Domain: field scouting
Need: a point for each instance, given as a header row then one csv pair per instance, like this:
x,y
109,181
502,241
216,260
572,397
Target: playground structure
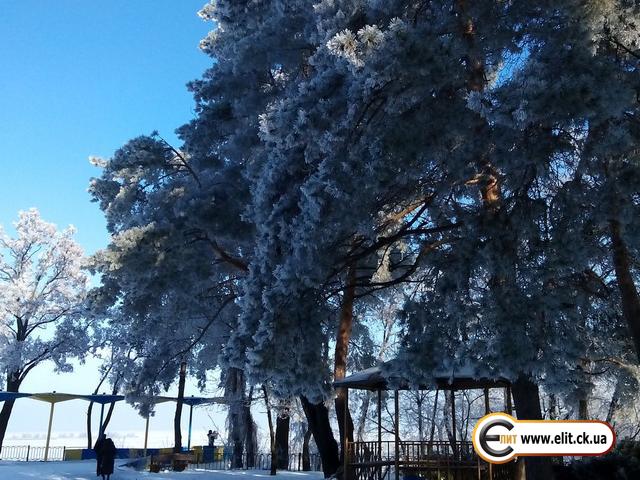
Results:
x,y
389,460
103,399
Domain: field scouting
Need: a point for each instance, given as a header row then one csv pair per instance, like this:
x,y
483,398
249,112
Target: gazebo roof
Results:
x,y
460,378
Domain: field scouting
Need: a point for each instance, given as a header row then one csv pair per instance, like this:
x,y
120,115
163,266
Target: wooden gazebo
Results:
x,y
454,459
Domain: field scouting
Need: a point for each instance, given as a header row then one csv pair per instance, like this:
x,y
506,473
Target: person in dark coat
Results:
x,y
108,452
98,449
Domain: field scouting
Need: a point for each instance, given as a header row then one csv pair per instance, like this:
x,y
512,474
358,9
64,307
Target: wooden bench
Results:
x,y
177,462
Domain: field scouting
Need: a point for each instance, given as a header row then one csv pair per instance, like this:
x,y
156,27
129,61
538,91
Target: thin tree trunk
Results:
x,y
318,420
527,402
615,400
341,353
419,402
89,434
112,405
235,395
448,395
433,418
626,285
90,408
283,421
553,407
364,411
251,439
13,385
177,419
306,457
272,436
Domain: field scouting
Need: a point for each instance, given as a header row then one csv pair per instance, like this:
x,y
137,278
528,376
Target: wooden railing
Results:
x,y
427,460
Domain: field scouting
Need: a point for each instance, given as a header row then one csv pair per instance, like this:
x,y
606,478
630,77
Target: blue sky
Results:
x,y
80,78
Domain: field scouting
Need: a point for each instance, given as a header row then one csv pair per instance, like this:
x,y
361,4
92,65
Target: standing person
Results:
x,y
108,458
98,449
212,438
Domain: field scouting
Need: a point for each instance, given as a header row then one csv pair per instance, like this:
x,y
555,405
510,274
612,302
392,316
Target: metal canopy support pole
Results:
x,y
396,404
100,432
46,448
190,421
146,436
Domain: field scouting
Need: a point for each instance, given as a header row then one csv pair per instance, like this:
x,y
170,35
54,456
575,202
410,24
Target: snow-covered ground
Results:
x,y
85,470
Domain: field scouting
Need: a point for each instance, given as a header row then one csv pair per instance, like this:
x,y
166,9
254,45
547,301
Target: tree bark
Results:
x,y
251,437
90,407
13,385
235,395
553,407
527,402
615,400
364,411
89,434
626,285
282,440
177,419
318,420
112,405
341,353
306,457
272,435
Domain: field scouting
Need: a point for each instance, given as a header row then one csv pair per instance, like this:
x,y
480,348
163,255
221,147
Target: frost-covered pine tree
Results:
x,y
42,290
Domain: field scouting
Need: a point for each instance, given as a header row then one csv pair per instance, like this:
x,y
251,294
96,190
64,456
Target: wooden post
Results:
x,y
345,452
453,422
379,424
46,448
146,436
509,405
487,408
396,404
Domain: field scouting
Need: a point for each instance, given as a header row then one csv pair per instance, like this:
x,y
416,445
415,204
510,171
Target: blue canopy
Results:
x,y
4,396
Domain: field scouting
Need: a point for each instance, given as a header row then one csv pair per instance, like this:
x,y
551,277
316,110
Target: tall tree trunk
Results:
x,y
626,285
251,437
90,407
112,405
419,402
306,457
364,411
13,385
433,418
448,421
272,435
283,421
235,395
89,434
318,420
503,285
615,400
553,407
177,419
527,402
341,353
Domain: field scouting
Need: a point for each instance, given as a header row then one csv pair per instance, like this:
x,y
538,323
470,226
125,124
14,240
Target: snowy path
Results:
x,y
85,470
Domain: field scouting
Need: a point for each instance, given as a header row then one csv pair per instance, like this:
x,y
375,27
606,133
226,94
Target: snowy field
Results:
x,y
85,470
